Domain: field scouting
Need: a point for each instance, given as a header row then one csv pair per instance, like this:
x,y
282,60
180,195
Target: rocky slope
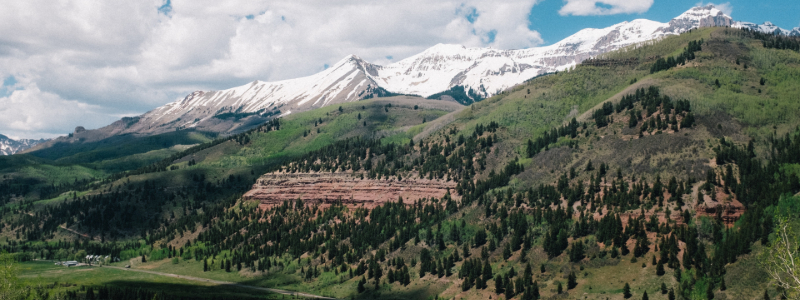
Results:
x,y
9,146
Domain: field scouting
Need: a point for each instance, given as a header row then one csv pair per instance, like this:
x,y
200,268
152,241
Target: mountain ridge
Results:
x,y
483,71
9,146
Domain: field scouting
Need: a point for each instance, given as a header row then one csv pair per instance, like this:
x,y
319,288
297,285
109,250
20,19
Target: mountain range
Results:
x,y
9,146
480,72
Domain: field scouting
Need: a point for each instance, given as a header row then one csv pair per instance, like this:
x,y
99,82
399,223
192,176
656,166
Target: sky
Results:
x,y
88,63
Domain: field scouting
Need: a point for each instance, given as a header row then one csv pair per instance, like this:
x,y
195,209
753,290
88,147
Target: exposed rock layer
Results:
x,y
327,188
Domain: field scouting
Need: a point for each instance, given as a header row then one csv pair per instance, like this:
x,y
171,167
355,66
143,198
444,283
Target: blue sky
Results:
x,y
544,15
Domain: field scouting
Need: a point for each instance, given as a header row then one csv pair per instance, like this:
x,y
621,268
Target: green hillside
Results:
x,y
658,169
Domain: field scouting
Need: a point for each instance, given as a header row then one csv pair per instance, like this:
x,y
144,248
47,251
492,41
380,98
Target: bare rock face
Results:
x,y
729,212
328,188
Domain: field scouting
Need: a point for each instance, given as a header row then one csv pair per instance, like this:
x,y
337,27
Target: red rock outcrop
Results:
x,y
327,188
730,211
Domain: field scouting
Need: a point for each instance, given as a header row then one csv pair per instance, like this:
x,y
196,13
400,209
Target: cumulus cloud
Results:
x,y
604,7
30,112
118,57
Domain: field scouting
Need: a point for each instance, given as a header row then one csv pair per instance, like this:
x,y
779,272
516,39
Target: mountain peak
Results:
x,y
702,12
696,17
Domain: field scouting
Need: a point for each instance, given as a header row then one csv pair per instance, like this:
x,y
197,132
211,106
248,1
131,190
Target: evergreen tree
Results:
x,y
506,252
710,291
644,296
509,290
499,287
571,281
626,291
487,270
660,268
361,283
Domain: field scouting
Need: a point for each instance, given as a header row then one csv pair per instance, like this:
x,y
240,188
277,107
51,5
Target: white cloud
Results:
x,y
604,7
118,57
30,112
726,7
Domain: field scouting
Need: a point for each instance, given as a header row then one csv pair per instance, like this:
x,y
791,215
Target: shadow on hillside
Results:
x,y
189,290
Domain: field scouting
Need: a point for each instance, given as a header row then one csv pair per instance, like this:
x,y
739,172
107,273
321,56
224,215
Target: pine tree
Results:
x,y
710,291
506,252
205,265
528,294
626,291
361,283
560,289
671,295
509,290
660,268
498,284
571,281
722,286
644,296
663,288
465,285
487,271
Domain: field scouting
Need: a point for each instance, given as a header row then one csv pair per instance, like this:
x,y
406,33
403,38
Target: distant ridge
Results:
x,y
9,146
481,72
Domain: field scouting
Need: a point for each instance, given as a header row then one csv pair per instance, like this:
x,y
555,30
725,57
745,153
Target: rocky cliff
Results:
x,y
328,188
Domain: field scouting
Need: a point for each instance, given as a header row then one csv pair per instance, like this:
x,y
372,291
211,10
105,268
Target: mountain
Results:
x,y
482,72
610,179
9,146
768,27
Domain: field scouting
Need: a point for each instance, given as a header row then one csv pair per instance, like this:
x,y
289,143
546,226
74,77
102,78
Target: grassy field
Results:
x,y
45,273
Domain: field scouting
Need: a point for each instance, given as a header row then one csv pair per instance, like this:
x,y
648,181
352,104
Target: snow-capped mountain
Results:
x,y
9,146
768,27
485,71
346,81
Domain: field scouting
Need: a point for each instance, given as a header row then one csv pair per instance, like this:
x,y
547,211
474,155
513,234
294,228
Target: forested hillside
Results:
x,y
656,171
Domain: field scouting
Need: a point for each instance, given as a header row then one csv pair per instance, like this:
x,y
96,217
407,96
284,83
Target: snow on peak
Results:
x,y
9,146
485,71
767,27
701,12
